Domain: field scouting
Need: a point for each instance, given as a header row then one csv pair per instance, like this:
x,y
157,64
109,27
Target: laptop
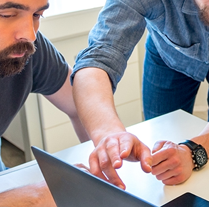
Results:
x,y
73,187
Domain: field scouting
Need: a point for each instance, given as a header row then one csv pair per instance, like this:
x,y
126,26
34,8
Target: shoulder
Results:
x,y
46,53
147,8
43,43
49,67
155,8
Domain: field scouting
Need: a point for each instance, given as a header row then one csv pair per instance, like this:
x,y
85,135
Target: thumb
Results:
x,y
146,159
157,146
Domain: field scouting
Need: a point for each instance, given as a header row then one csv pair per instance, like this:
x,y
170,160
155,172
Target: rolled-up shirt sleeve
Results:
x,y
113,38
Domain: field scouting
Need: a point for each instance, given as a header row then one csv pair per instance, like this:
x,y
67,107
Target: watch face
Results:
x,y
201,157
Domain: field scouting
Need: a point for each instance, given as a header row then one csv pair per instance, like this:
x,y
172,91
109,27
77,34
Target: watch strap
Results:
x,y
192,145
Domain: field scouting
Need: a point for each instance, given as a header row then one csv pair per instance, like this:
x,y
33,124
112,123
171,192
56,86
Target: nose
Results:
x,y
26,30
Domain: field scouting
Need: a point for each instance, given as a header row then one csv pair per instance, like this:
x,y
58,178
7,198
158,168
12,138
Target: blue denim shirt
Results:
x,y
179,35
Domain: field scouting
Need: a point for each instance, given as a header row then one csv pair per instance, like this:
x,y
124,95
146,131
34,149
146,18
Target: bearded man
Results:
x,y
29,63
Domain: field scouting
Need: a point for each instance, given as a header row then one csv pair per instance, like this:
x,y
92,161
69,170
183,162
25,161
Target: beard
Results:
x,y
12,66
204,15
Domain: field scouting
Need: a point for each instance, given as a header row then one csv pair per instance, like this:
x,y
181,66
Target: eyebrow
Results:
x,y
10,5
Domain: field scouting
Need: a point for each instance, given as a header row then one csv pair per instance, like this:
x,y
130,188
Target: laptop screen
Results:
x,y
71,186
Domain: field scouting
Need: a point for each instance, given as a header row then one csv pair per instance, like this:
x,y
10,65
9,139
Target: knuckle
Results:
x,y
160,141
175,161
178,171
108,139
95,172
104,164
171,151
92,155
158,177
110,145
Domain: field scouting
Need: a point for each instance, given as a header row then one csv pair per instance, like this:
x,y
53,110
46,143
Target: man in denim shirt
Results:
x,y
176,62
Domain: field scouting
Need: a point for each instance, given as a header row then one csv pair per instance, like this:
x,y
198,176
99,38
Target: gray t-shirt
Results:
x,y
45,73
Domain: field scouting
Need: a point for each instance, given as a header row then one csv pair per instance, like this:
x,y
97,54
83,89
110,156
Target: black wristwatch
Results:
x,y
199,154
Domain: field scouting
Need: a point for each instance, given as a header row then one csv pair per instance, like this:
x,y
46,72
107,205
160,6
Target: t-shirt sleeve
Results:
x,y
50,69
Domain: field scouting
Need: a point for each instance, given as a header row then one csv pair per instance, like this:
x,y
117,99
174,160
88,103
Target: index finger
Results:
x,y
104,170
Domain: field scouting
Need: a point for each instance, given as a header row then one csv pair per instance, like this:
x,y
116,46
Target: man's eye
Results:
x,y
38,15
6,16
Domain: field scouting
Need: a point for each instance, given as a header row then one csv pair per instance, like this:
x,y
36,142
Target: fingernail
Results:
x,y
123,151
116,163
149,166
122,187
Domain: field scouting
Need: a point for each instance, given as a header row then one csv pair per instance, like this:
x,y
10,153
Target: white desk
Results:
x,y
175,126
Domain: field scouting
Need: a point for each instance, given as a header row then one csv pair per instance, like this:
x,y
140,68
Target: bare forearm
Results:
x,y
94,101
79,129
36,195
203,138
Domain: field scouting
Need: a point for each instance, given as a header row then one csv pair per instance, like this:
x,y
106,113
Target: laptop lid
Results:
x,y
71,186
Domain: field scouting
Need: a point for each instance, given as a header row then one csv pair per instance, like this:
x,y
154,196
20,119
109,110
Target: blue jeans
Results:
x,y
2,166
164,89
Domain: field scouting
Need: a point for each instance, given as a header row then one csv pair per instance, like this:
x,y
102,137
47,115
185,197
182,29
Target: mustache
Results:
x,y
12,66
21,47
